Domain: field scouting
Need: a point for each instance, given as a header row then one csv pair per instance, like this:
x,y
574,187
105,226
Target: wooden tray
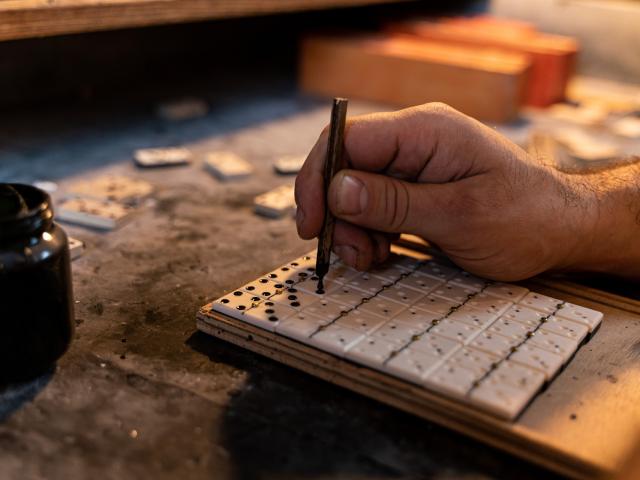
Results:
x,y
584,425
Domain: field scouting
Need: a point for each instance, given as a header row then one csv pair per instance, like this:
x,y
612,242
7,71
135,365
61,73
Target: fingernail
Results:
x,y
352,196
299,216
348,254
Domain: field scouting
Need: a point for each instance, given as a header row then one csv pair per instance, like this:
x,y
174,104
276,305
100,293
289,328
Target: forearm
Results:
x,y
611,213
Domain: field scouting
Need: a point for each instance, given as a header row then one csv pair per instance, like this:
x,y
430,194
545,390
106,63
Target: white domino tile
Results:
x,y
566,328
396,332
341,273
493,343
437,270
435,345
262,288
490,345
518,375
401,293
299,326
512,293
466,280
381,307
416,318
471,316
336,339
453,292
489,304
563,346
504,400
412,365
461,332
545,361
525,315
371,351
361,321
590,318
477,361
542,303
451,379
510,328
421,283
435,304
367,283
326,309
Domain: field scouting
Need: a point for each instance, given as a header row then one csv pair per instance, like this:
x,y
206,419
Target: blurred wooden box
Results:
x,y
403,71
553,57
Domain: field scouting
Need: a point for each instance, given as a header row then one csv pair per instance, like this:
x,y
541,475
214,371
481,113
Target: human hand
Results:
x,y
434,172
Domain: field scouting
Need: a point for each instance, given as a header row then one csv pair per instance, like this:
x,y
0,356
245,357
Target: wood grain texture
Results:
x,y
553,56
583,425
403,71
38,18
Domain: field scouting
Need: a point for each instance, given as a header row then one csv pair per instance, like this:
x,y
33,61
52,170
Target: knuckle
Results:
x,y
439,109
396,205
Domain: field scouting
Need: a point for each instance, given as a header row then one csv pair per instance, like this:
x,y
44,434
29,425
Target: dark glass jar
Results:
x,y
36,300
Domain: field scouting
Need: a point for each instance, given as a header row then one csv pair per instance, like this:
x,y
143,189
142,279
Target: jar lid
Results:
x,y
24,210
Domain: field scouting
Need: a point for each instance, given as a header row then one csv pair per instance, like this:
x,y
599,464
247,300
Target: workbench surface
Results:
x,y
142,394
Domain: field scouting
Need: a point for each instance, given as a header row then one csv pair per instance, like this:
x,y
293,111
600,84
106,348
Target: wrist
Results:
x,y
605,207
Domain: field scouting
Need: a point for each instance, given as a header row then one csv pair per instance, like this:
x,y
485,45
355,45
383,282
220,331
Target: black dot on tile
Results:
x,y
270,310
285,269
264,280
320,291
273,275
279,285
295,304
251,288
255,299
224,300
269,304
273,318
289,282
237,294
292,297
294,264
240,307
266,294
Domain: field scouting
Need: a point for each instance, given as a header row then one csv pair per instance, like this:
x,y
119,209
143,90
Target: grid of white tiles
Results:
x,y
493,345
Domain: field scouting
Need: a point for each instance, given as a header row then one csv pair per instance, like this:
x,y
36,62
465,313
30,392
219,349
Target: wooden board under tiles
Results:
x,y
583,425
403,71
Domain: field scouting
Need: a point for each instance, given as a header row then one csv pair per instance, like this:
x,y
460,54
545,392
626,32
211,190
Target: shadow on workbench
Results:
x,y
286,424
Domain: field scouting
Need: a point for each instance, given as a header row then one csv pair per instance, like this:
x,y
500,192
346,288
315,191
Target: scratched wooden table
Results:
x,y
141,394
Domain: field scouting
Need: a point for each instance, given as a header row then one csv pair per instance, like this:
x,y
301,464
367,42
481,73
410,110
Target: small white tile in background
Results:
x,y
76,247
471,316
502,399
401,293
277,203
226,166
437,270
370,284
93,213
517,375
161,157
360,321
326,309
489,304
289,165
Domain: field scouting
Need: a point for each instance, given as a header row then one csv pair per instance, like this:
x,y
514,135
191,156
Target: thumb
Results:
x,y
386,204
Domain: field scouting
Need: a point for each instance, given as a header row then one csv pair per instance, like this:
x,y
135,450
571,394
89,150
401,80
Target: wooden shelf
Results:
x,y
40,18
